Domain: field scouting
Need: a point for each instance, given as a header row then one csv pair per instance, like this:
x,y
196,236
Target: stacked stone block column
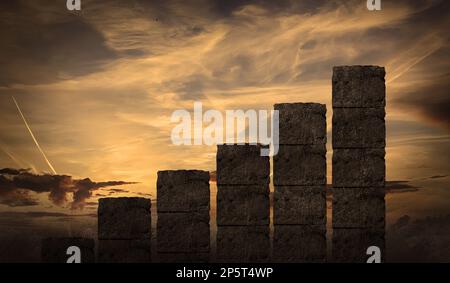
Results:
x,y
300,184
124,230
183,202
358,161
243,205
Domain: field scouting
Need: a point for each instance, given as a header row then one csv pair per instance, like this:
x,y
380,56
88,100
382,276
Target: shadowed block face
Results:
x,y
242,165
299,243
124,218
359,86
303,165
243,243
124,251
243,205
183,191
358,167
359,128
299,205
302,123
183,232
358,208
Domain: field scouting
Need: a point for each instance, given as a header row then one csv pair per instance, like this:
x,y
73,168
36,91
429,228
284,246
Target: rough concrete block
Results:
x,y
303,165
359,128
358,208
183,191
299,243
124,218
297,205
359,86
242,165
183,232
183,257
302,123
54,250
243,205
124,251
350,245
358,167
243,244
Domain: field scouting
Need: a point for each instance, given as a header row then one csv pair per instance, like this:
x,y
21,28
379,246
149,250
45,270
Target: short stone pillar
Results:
x,y
299,169
124,230
243,205
183,229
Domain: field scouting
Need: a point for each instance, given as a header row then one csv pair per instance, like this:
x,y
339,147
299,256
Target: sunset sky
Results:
x,y
98,86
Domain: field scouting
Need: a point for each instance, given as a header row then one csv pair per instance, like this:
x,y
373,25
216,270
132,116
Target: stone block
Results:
x,y
183,232
302,123
300,243
358,167
183,191
298,205
358,208
124,251
359,128
243,205
242,165
54,250
358,86
350,245
243,244
124,218
303,165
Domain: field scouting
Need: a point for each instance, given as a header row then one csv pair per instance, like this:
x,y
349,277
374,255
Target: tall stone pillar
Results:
x,y
359,140
299,169
124,230
183,202
243,205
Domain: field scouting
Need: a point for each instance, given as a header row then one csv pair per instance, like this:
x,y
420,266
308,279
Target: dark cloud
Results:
x,y
226,8
114,191
393,187
143,194
431,100
438,176
16,185
43,42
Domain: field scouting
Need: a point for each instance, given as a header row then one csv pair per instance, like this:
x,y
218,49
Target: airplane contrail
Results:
x,y
10,155
32,135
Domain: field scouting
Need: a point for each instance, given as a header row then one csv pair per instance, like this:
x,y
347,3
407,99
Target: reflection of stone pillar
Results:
x,y
55,250
243,206
124,230
183,232
350,245
300,184
359,134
